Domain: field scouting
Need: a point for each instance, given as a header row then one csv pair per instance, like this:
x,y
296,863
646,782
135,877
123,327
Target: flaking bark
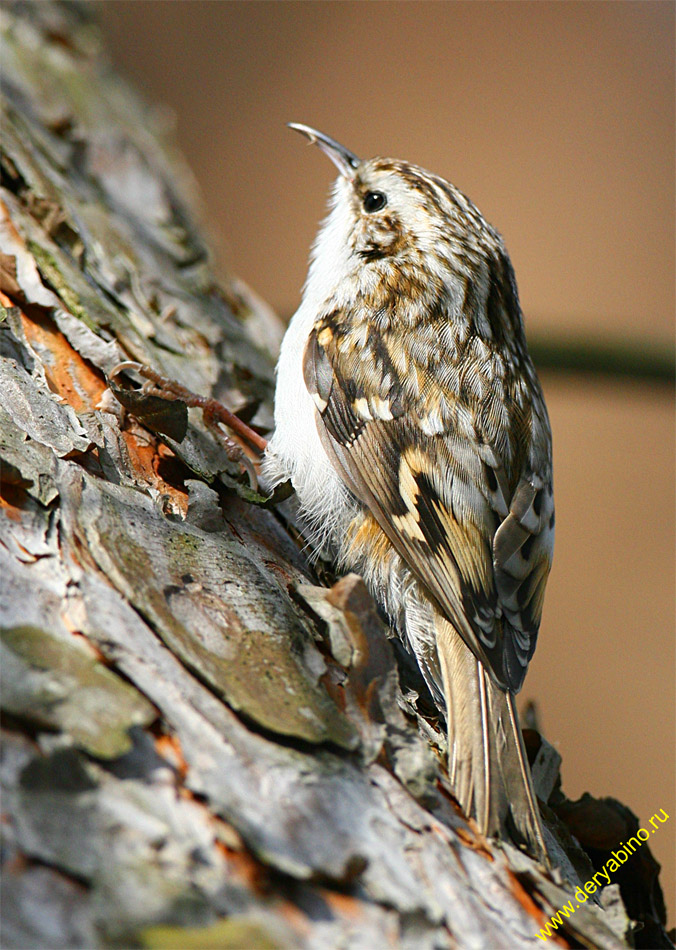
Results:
x,y
203,746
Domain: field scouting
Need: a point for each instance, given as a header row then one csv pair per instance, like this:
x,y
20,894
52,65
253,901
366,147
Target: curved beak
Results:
x,y
345,161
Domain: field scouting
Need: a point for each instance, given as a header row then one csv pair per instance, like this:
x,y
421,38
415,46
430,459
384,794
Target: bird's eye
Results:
x,y
374,201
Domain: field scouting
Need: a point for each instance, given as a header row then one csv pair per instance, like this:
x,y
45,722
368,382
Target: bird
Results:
x,y
410,421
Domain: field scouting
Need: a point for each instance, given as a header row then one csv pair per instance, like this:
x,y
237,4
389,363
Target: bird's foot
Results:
x,y
242,444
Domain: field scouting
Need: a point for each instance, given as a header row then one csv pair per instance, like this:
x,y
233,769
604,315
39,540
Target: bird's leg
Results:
x,y
246,449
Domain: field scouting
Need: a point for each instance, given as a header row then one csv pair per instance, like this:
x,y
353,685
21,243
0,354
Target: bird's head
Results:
x,y
389,218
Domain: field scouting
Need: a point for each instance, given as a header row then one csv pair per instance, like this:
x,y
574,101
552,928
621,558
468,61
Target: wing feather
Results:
x,y
481,549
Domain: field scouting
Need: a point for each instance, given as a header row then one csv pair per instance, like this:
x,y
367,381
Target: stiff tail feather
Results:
x,y
487,763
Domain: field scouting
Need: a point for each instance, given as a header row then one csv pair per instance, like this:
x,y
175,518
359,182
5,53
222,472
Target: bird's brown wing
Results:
x,y
444,503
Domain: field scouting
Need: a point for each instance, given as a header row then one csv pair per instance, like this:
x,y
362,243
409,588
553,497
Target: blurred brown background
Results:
x,y
558,120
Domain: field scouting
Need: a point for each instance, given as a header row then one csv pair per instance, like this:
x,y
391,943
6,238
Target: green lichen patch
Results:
x,y
59,687
232,934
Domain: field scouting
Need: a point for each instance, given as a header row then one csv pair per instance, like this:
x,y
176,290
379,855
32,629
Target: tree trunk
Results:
x,y
203,746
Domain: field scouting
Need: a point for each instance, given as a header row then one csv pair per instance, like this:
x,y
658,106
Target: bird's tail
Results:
x,y
487,762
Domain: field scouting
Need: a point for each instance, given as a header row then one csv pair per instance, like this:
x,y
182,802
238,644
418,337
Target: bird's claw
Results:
x,y
245,450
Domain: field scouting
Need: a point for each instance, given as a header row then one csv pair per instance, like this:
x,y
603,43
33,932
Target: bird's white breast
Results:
x,y
295,450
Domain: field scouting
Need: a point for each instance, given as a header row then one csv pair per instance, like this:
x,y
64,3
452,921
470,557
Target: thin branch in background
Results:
x,y
615,358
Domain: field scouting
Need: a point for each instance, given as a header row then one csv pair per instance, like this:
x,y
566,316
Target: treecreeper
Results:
x,y
412,425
